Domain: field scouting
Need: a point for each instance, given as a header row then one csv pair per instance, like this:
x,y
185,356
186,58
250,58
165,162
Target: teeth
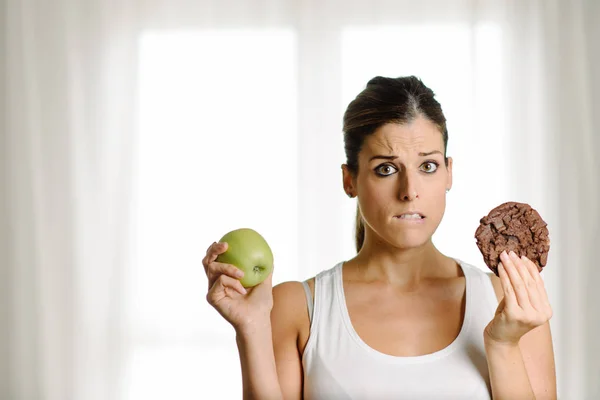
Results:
x,y
410,216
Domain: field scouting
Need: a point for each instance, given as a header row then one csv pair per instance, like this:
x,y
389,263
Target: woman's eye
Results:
x,y
385,170
429,167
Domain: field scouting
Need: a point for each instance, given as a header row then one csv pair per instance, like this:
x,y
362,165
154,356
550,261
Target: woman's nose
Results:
x,y
408,188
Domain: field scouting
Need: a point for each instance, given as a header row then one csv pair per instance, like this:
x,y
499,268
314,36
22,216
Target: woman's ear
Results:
x,y
348,181
449,176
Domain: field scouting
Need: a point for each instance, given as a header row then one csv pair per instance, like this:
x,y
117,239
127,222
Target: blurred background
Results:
x,y
134,133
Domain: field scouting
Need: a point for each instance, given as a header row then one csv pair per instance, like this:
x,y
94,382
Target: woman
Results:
x,y
400,320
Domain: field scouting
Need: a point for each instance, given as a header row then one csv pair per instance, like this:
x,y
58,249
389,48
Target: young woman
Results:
x,y
400,320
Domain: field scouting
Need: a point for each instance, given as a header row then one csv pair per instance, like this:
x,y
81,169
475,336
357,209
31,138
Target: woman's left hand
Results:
x,y
525,305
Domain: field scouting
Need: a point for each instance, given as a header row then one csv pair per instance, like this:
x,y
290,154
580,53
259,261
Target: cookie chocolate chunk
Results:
x,y
513,226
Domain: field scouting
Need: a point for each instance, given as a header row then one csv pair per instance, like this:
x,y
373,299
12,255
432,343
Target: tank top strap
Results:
x,y
309,300
323,300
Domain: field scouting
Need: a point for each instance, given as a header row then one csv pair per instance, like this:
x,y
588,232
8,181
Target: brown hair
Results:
x,y
386,100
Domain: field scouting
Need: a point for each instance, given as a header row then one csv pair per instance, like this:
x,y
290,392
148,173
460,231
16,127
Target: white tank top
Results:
x,y
338,365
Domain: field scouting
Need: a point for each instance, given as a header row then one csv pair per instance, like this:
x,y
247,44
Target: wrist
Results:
x,y
491,342
252,328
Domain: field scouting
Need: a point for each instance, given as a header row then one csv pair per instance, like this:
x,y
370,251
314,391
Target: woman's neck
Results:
x,y
405,269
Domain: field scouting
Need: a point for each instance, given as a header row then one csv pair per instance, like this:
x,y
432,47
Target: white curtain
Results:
x,y
68,93
573,55
74,156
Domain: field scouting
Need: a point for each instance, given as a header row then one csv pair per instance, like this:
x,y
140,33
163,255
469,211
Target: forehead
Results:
x,y
419,134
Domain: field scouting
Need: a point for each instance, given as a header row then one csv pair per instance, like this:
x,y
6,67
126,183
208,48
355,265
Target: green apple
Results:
x,y
250,252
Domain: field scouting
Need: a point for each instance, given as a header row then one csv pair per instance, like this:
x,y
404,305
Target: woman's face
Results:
x,y
402,172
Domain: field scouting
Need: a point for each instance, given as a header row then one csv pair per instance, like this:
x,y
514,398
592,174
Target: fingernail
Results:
x,y
239,273
503,254
513,254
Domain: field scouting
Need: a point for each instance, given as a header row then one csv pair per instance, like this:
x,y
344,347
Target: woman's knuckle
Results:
x,y
528,320
529,283
518,286
513,316
213,268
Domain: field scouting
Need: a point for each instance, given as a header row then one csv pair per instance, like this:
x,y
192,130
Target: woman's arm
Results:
x,y
259,373
269,357
508,376
526,368
538,356
529,366
289,315
249,312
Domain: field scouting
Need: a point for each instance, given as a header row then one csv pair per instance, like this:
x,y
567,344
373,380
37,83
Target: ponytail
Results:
x,y
360,229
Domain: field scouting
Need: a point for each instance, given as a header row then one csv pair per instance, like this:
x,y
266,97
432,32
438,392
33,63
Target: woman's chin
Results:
x,y
412,241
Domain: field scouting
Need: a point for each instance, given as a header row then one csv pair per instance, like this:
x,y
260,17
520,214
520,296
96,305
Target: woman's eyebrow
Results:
x,y
430,153
395,157
383,157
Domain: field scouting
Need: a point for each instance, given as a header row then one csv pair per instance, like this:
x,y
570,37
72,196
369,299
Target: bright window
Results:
x,y
216,152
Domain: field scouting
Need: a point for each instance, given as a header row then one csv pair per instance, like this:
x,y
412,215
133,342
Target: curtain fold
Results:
x,y
572,55
67,148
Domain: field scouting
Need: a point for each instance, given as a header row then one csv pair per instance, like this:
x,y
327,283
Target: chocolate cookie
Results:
x,y
513,226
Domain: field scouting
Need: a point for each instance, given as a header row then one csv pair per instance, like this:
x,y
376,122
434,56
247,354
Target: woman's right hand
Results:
x,y
241,307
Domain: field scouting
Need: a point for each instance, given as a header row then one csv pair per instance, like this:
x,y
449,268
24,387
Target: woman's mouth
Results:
x,y
415,217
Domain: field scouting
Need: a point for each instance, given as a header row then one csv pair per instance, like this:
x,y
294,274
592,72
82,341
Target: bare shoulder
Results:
x,y
290,304
290,311
287,323
291,293
287,293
